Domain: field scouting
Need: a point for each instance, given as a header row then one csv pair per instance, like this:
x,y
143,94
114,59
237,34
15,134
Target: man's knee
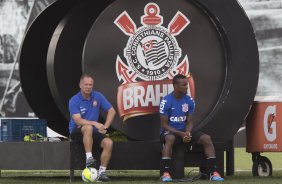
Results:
x,y
205,139
87,129
107,143
170,138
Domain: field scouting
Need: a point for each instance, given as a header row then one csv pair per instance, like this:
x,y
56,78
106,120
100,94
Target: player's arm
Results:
x,y
80,121
188,128
110,117
166,127
189,123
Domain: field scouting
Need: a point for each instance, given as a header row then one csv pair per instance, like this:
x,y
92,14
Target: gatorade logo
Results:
x,y
269,124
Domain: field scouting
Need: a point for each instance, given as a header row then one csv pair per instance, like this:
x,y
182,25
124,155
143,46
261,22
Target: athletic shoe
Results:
x,y
103,177
166,177
216,177
91,162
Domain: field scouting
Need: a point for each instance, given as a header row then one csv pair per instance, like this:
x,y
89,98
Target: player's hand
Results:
x,y
103,130
98,125
187,137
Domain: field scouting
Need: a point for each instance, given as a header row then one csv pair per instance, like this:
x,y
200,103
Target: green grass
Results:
x,y
243,160
243,174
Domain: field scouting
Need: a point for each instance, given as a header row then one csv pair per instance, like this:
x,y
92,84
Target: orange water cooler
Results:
x,y
264,132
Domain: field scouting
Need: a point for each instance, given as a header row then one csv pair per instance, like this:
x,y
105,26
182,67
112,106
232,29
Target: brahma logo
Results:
x,y
152,54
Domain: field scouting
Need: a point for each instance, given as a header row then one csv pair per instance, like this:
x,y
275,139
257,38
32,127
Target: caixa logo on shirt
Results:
x,y
153,57
178,119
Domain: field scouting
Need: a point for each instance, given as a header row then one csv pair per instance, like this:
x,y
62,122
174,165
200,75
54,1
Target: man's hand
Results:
x,y
101,127
103,130
97,125
186,137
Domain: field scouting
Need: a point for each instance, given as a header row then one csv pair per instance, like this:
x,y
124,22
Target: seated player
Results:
x,y
176,111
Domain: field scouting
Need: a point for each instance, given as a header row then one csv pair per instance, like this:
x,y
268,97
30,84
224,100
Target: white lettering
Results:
x,y
162,106
150,96
139,96
269,126
166,89
270,146
139,93
177,119
127,98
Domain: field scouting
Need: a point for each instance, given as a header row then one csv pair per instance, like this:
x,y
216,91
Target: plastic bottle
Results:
x,y
4,132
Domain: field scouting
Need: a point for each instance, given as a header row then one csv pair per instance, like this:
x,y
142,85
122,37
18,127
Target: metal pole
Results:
x,y
230,159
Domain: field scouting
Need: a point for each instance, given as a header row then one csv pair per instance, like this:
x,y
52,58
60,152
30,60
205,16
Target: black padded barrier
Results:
x,y
49,58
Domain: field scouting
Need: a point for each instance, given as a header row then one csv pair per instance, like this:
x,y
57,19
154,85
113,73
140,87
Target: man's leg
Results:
x,y
168,140
107,146
206,142
87,132
168,145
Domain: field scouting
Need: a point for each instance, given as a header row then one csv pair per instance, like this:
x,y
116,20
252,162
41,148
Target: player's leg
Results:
x,y
107,146
87,132
168,140
206,142
84,135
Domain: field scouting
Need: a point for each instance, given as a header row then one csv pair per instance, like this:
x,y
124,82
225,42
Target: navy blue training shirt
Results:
x,y
88,109
177,110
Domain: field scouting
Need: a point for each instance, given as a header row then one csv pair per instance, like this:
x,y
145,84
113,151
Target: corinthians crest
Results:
x,y
152,54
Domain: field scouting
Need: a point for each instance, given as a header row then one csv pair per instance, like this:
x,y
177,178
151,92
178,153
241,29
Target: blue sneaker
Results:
x,y
166,177
216,177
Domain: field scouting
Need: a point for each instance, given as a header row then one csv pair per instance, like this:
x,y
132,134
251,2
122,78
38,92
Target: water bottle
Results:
x,y
26,130
1,140
4,131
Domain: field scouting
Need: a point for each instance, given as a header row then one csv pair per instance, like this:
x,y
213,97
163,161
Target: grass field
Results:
x,y
243,174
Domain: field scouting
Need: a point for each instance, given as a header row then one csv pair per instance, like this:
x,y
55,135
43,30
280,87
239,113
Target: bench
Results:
x,y
131,155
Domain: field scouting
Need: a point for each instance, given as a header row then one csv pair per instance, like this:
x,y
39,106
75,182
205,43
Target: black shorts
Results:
x,y
76,135
178,139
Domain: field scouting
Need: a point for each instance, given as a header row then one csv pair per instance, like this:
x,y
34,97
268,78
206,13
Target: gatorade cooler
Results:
x,y
264,132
